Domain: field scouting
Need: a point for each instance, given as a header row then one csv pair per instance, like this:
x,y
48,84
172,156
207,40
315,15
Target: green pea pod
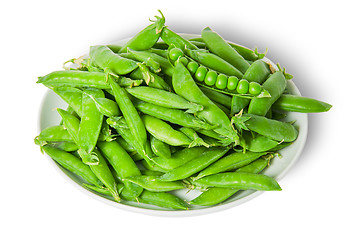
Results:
x,y
216,195
195,165
91,120
149,62
230,162
122,163
257,143
164,98
143,56
147,37
293,103
171,38
151,173
72,163
275,85
178,158
186,87
241,180
196,140
152,79
164,132
152,167
104,174
273,129
218,97
125,145
130,114
103,57
175,116
55,134
217,45
71,78
257,72
213,62
154,184
65,146
160,148
106,106
160,52
72,96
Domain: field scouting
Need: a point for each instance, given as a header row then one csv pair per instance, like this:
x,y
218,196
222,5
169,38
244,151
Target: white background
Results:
x,y
309,38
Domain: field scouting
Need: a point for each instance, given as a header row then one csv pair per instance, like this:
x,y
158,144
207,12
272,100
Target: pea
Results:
x,y
221,81
243,86
175,53
210,78
184,61
192,67
232,83
254,88
200,73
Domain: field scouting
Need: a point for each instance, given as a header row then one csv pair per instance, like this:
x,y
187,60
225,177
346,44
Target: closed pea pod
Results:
x,y
220,47
151,79
72,96
160,148
163,199
55,134
154,184
171,38
196,140
257,143
217,96
65,146
106,106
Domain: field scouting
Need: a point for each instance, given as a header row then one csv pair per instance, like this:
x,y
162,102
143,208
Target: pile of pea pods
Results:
x,y
162,113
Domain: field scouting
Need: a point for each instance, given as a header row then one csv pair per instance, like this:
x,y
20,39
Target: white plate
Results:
x,y
277,169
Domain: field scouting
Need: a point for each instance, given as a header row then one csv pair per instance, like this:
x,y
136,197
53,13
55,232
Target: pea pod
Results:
x,y
164,98
105,106
196,140
186,87
230,162
217,96
292,103
65,146
154,184
105,58
72,163
179,158
152,79
216,195
221,48
72,96
171,38
275,85
257,143
164,132
241,180
195,165
122,163
160,148
147,37
55,134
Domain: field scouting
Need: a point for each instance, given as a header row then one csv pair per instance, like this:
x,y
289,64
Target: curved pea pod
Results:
x,y
147,37
152,79
171,38
154,184
241,180
217,45
257,143
122,163
273,129
106,106
178,158
65,146
196,140
186,87
104,174
213,62
71,78
293,103
160,148
218,97
130,114
163,199
72,163
257,72
72,96
105,58
195,165
216,195
91,120
164,98
114,47
55,134
164,132
230,162
144,56
275,85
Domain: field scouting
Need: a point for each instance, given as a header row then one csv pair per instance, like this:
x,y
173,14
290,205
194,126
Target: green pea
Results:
x,y
254,88
210,78
184,61
200,73
192,67
243,86
175,53
232,83
221,81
